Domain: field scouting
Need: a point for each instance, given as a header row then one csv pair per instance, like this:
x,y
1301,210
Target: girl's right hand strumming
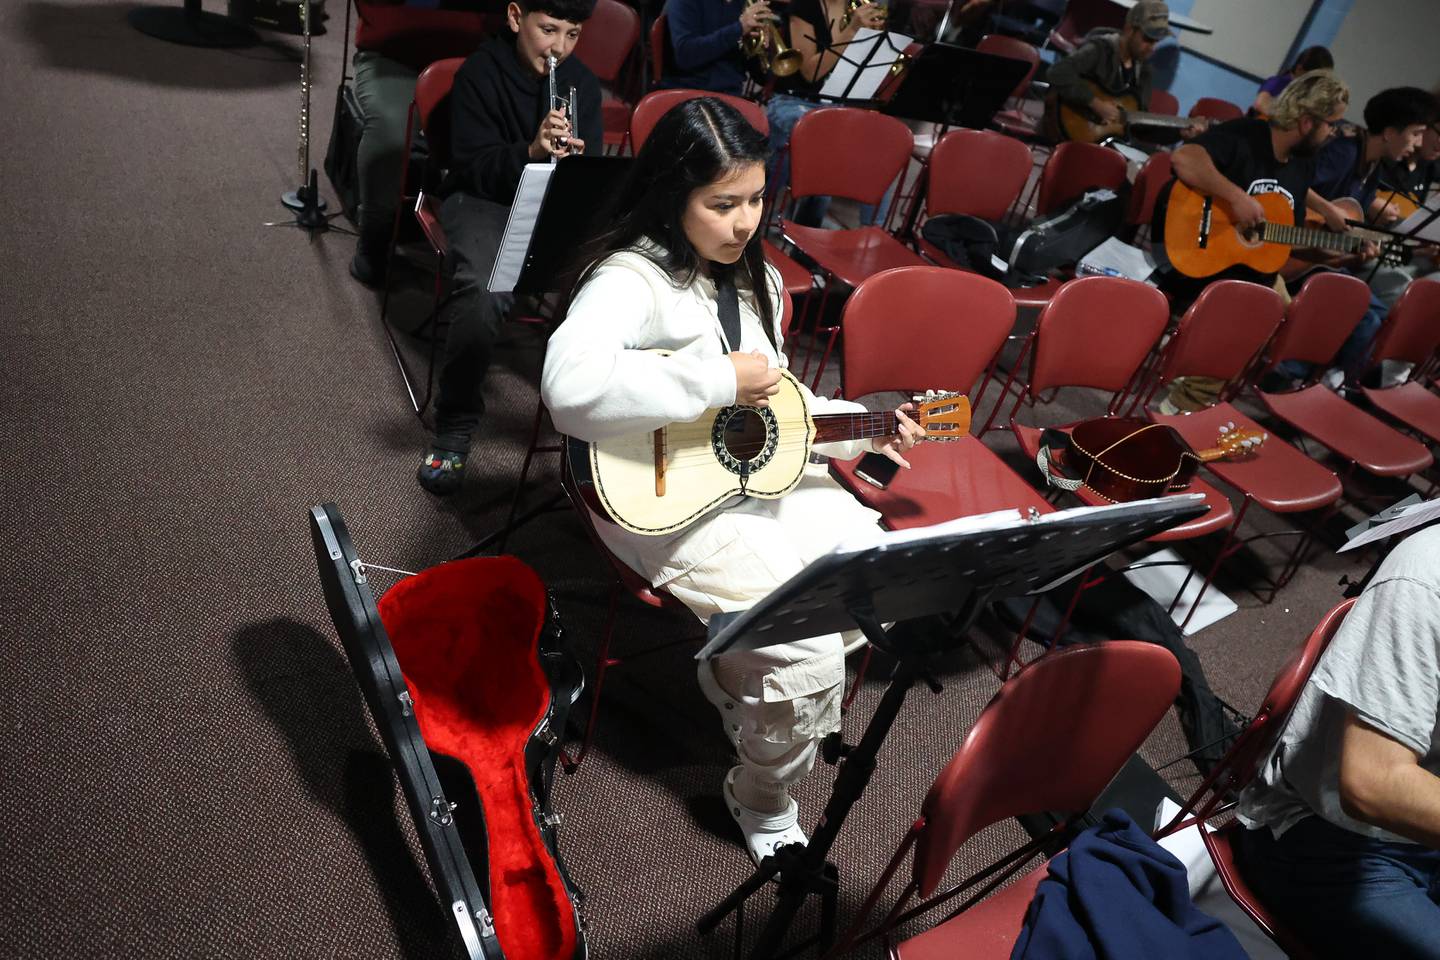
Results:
x,y
755,380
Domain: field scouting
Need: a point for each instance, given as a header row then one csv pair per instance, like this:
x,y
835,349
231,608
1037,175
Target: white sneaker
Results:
x,y
1333,378
764,833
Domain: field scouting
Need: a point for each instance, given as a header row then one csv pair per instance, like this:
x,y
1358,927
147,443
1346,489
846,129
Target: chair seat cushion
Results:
x,y
1219,516
1349,431
988,929
1038,295
797,280
1279,477
1412,405
1016,123
851,255
962,478
1222,852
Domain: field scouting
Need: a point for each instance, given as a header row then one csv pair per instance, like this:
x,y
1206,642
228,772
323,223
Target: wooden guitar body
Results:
x,y
1073,123
618,475
1201,238
1121,459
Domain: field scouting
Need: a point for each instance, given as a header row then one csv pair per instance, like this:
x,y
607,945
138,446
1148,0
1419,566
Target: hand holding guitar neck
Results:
x,y
909,434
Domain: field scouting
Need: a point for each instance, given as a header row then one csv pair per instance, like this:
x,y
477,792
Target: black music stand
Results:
x,y
966,564
569,211
864,50
955,86
1399,240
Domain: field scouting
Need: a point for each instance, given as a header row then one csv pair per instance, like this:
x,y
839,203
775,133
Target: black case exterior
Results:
x,y
438,819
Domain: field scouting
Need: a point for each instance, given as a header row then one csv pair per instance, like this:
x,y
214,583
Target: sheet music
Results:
x,y
1431,231
1405,519
520,227
868,55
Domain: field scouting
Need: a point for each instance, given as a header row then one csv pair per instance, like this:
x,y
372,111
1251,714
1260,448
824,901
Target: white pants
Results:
x,y
783,699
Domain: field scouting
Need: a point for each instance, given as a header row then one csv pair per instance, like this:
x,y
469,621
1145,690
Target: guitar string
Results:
x,y
862,427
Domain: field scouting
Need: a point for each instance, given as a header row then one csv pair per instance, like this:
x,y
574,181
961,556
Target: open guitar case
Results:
x,y
463,669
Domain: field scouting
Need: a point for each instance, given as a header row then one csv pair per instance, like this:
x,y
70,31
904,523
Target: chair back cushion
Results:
x,y
1095,332
847,152
1051,739
607,39
1320,318
657,103
1152,177
1223,331
1412,328
1074,168
976,172
895,339
432,92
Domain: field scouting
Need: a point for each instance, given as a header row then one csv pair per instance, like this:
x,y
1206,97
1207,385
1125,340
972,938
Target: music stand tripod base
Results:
x,y
191,26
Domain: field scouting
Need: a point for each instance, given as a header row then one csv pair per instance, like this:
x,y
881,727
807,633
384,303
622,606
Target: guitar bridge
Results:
x,y
1203,240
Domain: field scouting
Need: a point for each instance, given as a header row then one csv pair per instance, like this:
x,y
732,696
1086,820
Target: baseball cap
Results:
x,y
1152,18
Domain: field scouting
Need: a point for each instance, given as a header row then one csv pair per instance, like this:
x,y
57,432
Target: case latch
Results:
x,y
487,926
407,705
440,811
357,569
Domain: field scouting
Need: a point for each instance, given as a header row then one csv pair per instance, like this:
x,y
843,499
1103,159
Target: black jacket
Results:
x,y
495,110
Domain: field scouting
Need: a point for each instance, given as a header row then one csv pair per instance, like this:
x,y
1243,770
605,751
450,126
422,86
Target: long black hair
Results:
x,y
694,144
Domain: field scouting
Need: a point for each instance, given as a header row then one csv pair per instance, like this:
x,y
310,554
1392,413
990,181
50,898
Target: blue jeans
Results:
x,y
1346,895
1354,353
784,111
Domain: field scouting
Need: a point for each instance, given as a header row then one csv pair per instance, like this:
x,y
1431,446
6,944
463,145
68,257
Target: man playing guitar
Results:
x,y
1109,67
1236,161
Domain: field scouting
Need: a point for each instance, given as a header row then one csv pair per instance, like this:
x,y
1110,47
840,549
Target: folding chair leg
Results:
x,y
1226,549
603,663
824,358
530,452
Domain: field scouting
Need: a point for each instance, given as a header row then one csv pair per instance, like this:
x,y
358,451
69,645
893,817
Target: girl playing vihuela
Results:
x,y
681,256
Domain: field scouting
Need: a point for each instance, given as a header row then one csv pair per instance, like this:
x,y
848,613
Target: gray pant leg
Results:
x,y
384,89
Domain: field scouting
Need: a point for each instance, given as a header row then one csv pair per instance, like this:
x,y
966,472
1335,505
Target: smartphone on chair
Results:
x,y
876,469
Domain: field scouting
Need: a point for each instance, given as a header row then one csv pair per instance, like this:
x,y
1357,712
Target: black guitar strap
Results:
x,y
727,301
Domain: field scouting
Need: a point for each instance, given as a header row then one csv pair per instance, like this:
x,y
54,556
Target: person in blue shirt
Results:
x,y
705,38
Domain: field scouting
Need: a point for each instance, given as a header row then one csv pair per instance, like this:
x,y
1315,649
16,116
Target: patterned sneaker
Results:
x,y
441,472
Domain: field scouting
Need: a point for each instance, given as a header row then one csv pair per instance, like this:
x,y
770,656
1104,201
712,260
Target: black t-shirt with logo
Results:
x,y
1243,153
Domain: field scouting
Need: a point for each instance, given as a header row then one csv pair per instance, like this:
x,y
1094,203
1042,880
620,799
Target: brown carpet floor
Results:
x,y
186,767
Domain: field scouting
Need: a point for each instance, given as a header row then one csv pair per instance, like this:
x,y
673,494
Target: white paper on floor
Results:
x,y
1161,582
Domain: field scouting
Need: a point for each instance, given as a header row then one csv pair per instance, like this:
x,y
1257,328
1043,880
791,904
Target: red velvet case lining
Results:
x,y
467,638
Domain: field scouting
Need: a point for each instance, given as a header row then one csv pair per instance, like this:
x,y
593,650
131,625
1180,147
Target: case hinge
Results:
x,y
487,926
357,569
407,705
544,734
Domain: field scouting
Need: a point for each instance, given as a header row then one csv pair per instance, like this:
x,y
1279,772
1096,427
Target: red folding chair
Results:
x,y
658,33
1072,169
605,46
1238,768
884,319
432,93
1319,319
1013,120
825,161
978,173
1220,336
1153,176
797,280
1217,109
1164,102
1082,16
1052,738
1411,334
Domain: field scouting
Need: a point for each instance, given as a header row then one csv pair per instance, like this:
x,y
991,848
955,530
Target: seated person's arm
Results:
x,y
1382,783
694,49
599,381
1068,80
815,63
482,162
1195,168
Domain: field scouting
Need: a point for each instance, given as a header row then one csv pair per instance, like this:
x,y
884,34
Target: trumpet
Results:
x,y
769,47
557,102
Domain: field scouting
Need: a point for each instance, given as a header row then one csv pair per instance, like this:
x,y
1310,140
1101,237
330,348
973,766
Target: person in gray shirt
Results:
x,y
1343,820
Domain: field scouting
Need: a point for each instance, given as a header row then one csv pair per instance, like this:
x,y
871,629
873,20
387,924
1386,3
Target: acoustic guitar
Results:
x,y
1296,269
664,480
1201,238
1066,122
1126,458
